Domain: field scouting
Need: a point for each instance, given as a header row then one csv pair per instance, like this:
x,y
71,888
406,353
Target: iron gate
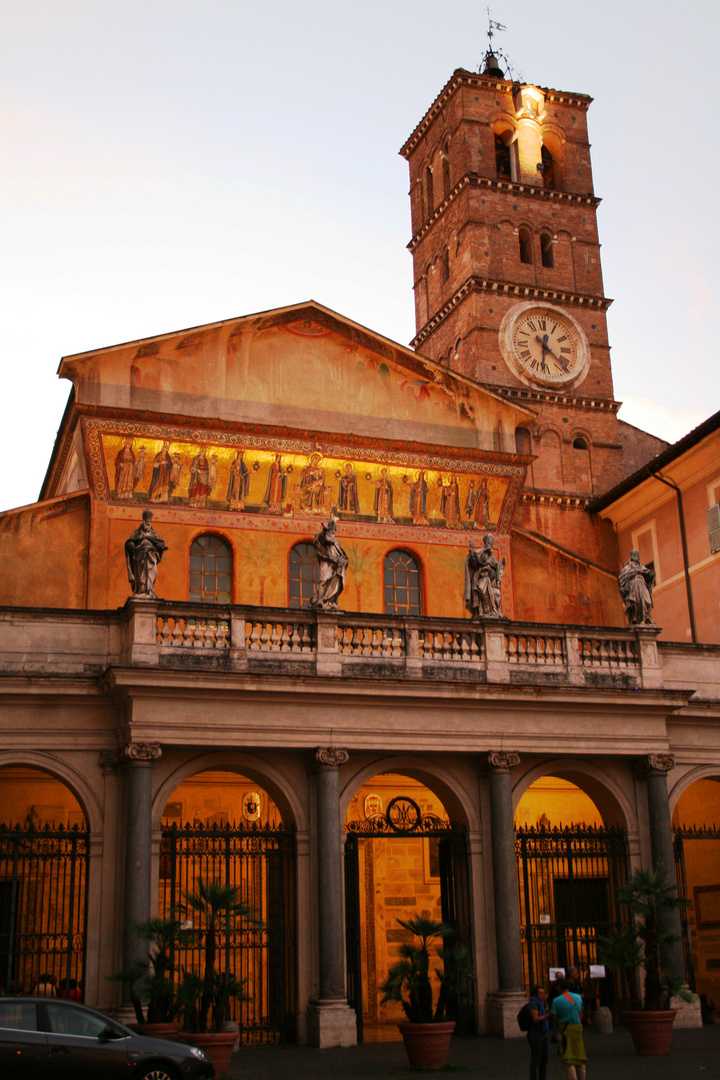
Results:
x,y
43,873
261,862
681,835
568,880
402,819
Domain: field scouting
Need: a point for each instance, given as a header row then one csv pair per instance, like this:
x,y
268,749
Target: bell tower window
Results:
x,y
548,253
429,191
525,241
503,160
548,168
446,172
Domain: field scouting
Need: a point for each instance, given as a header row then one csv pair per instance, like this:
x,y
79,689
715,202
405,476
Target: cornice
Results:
x,y
567,401
556,499
530,191
507,288
462,77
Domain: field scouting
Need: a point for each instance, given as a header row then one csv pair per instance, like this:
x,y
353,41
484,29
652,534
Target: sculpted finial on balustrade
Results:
x,y
483,577
636,583
143,551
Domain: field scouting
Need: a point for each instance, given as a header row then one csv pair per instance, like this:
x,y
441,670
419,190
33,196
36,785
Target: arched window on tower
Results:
x,y
523,444
210,570
429,191
548,167
446,171
302,574
547,250
446,265
502,158
525,241
581,462
403,584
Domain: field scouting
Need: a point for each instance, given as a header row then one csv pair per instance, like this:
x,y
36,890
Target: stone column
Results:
x,y
655,767
139,758
503,1005
331,1022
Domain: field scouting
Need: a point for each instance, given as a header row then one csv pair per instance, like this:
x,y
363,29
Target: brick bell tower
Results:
x,y
507,274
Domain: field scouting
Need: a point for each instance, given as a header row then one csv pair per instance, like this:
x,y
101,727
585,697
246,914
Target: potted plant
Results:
x,y
426,1033
651,898
155,986
204,996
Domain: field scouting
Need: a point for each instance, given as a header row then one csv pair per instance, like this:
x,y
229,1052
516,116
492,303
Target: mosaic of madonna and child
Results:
x,y
313,485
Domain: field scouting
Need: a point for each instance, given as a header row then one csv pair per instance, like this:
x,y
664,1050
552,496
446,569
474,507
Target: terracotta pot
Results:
x,y
218,1045
427,1045
159,1031
651,1031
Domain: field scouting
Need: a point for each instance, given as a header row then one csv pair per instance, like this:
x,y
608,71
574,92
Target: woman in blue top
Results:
x,y
567,1013
538,1035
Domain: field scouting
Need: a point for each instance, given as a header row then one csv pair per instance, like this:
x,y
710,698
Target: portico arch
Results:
x,y
62,772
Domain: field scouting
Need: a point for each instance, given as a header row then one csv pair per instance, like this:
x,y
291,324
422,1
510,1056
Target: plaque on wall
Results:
x,y
252,805
373,805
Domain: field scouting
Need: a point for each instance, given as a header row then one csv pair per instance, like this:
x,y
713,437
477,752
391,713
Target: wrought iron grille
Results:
x,y
261,862
683,835
404,819
568,879
43,873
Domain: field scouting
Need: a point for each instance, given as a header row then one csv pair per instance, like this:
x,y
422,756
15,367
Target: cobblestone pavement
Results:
x,y
695,1053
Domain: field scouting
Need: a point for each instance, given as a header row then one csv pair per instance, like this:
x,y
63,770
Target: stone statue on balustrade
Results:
x,y
143,551
483,577
636,583
332,564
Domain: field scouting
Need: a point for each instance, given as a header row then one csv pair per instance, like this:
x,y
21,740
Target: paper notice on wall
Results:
x,y
597,971
557,973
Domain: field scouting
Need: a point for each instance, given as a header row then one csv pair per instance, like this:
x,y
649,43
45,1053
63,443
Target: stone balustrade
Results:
x,y
176,634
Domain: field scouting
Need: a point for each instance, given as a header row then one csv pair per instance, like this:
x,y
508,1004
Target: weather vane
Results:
x,y
490,65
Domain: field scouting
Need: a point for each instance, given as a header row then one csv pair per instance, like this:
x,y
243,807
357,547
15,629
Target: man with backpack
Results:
x,y
566,1012
533,1019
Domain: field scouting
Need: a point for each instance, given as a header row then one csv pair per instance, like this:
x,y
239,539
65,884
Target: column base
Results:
x,y
331,1023
688,1012
502,1009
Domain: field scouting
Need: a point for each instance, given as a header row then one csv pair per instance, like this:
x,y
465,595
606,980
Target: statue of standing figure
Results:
x,y
636,583
143,551
332,565
483,576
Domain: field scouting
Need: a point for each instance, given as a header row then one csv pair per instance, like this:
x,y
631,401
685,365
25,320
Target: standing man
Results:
x,y
538,1036
566,1012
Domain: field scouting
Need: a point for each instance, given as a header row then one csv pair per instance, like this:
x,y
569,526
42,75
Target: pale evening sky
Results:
x,y
168,164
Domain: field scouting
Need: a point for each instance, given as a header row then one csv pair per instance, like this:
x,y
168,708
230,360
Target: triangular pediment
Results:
x,y
303,367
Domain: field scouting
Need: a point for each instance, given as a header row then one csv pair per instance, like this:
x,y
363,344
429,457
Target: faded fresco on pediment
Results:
x,y
251,476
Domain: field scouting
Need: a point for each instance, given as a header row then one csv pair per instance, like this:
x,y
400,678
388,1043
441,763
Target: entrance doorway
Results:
x,y
403,857
224,827
570,865
696,830
43,875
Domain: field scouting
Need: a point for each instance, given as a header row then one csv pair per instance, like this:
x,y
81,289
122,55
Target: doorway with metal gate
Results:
x,y
223,827
570,866
403,857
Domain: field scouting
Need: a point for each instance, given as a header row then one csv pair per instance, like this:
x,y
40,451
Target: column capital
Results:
x,y
654,764
502,760
140,753
330,757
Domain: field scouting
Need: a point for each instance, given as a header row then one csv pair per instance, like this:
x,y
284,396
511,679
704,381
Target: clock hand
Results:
x,y
546,348
543,342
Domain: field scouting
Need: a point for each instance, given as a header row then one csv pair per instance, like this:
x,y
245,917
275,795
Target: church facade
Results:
x,y
498,763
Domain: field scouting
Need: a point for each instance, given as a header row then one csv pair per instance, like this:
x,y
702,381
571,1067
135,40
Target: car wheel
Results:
x,y
156,1072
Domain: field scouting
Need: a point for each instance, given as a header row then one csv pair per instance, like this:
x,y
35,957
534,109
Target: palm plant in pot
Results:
x,y
426,1033
152,992
651,898
205,995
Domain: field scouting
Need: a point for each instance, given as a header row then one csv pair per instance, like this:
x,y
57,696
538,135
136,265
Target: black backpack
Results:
x,y
523,1017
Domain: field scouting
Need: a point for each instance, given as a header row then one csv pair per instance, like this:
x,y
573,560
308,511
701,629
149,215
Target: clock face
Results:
x,y
543,344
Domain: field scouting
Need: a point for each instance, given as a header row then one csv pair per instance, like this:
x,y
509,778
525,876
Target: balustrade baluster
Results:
x,y
177,634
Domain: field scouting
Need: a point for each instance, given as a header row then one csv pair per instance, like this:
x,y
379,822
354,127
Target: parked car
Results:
x,y
53,1039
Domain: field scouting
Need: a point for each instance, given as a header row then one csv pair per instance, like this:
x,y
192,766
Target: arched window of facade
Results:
x,y
581,462
548,167
302,574
525,241
523,444
446,265
579,443
211,570
547,249
429,191
446,171
503,161
403,584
